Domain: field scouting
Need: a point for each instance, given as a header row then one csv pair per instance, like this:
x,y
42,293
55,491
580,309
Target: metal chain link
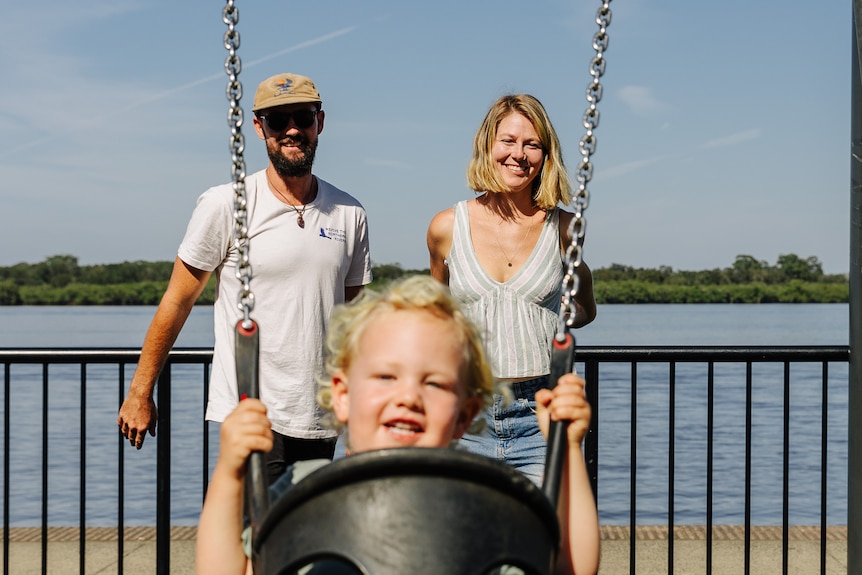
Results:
x,y
233,66
578,225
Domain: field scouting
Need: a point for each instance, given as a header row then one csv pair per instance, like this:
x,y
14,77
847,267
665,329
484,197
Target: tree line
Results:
x,y
748,280
61,280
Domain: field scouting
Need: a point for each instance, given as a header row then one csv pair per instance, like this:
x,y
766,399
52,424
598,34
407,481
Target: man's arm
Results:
x,y
138,414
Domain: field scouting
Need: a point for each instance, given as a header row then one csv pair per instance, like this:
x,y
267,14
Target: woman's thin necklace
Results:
x,y
300,220
520,245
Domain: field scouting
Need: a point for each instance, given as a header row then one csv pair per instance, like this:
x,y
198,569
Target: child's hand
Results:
x,y
246,429
566,402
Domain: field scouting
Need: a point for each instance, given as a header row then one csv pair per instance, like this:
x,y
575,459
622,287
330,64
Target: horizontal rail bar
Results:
x,y
102,355
716,353
585,353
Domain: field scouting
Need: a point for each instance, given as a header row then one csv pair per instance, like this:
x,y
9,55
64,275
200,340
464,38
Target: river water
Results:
x,y
616,325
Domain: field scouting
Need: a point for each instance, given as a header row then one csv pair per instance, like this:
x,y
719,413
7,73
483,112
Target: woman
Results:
x,y
502,255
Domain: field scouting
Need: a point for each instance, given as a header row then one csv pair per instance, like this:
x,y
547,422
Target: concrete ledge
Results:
x,y
96,534
609,533
652,551
722,533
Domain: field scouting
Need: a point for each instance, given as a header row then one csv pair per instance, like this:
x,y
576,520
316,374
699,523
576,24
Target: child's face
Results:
x,y
404,385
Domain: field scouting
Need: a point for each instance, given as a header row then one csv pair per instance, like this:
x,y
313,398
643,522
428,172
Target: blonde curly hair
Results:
x,y
411,293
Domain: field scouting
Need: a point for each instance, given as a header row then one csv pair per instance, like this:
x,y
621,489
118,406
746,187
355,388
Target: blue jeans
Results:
x,y
511,432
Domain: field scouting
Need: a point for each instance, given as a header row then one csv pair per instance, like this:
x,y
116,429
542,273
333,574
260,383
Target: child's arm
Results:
x,y
219,540
579,520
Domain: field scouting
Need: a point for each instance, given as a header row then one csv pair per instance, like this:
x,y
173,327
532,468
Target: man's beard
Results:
x,y
288,168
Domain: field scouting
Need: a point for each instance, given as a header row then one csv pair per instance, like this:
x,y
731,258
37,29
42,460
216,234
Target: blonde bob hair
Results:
x,y
552,186
411,293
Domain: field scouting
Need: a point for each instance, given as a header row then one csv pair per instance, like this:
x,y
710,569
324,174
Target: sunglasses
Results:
x,y
278,121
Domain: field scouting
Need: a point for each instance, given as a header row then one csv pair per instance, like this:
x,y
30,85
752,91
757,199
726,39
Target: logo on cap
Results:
x,y
284,87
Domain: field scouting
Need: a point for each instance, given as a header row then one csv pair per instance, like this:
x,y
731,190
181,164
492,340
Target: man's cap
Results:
x,y
284,89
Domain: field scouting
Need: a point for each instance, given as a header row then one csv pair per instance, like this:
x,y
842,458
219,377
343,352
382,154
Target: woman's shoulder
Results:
x,y
565,216
564,213
442,221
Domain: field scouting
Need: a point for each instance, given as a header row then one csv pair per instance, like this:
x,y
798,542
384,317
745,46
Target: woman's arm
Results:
x,y
585,300
439,239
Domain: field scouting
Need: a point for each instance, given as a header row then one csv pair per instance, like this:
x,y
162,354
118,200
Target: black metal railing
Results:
x,y
597,359
47,375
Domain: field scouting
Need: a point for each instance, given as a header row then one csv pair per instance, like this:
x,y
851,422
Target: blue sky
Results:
x,y
724,125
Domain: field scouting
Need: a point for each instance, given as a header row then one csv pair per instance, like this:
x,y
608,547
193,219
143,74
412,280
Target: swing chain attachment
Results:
x,y
233,66
578,224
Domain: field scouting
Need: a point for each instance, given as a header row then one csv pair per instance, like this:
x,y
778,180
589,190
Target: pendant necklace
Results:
x,y
300,220
520,245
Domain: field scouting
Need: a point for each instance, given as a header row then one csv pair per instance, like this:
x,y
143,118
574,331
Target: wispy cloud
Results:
x,y
641,101
633,166
637,165
221,76
104,115
733,139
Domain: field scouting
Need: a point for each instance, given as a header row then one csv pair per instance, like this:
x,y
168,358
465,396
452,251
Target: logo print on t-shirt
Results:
x,y
333,234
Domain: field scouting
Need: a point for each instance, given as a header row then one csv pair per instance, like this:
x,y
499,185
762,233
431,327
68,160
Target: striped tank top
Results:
x,y
519,318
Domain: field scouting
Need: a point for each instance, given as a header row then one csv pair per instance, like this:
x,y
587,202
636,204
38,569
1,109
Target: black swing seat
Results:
x,y
410,511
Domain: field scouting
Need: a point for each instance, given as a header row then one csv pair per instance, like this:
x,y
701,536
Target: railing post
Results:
x,y
591,442
163,475
854,444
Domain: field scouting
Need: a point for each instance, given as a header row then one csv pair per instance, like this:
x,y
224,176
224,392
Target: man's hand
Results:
x,y
138,415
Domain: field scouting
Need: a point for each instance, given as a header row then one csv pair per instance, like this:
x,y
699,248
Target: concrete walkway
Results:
x,y
651,551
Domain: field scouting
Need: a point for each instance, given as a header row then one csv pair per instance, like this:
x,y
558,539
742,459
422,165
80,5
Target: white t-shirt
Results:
x,y
298,275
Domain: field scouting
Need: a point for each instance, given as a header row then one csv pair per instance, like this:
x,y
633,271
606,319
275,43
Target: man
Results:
x,y
308,251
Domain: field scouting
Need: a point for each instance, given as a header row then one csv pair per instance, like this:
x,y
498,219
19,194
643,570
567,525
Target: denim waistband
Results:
x,y
527,389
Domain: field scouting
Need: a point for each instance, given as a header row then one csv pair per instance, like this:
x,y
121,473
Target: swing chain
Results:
x,y
233,66
578,224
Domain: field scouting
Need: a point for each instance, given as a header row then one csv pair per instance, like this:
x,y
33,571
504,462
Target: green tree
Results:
x,y
795,268
9,294
746,269
387,272
59,271
617,272
654,276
